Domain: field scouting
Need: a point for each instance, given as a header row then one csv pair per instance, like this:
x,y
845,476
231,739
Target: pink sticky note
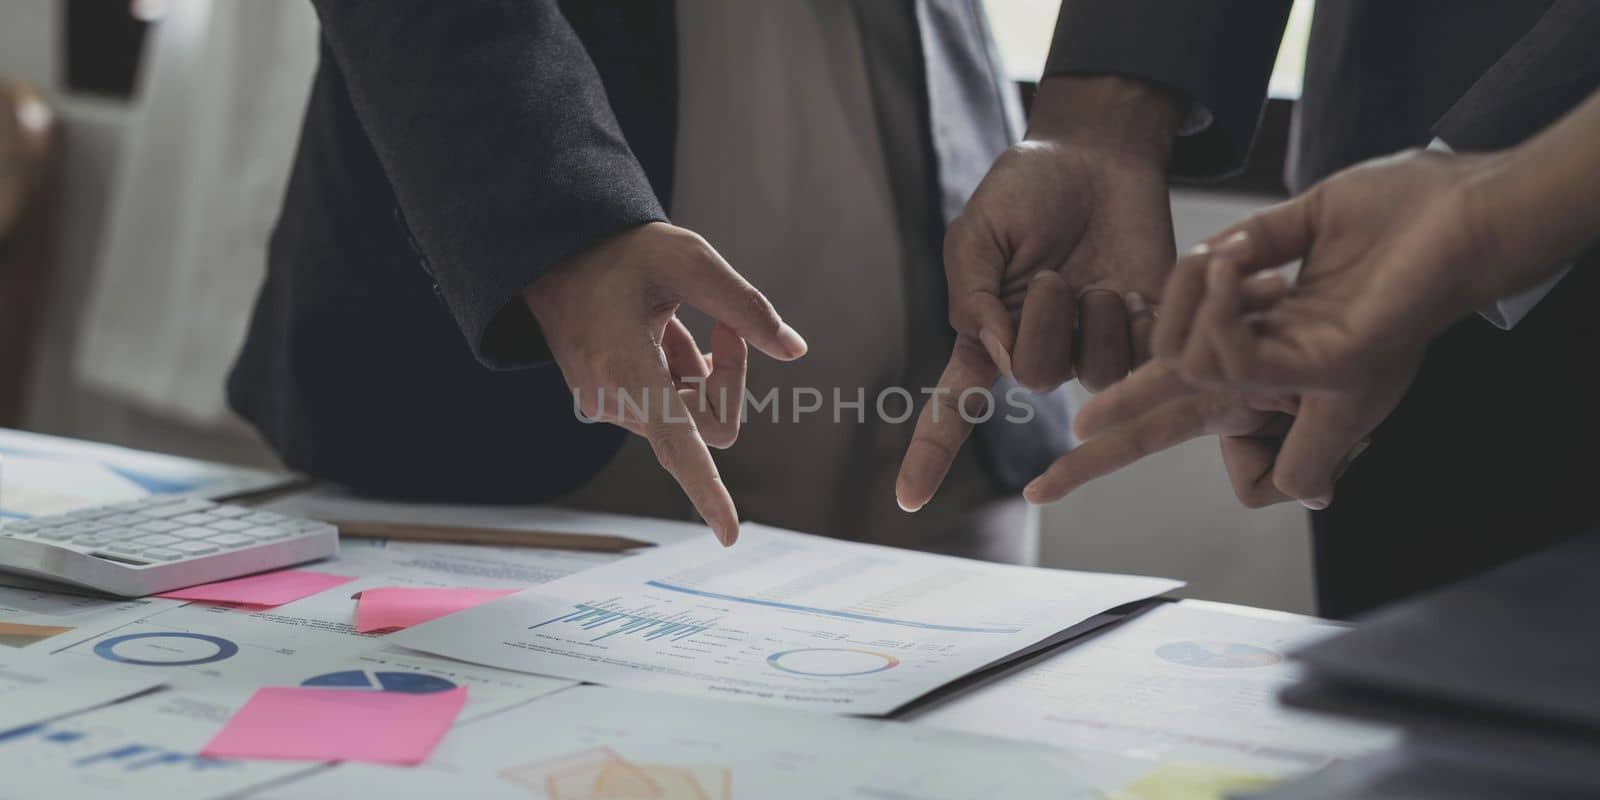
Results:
x,y
309,724
266,589
388,608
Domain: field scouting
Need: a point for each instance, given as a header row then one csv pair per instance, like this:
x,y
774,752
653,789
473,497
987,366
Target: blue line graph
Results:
x,y
638,621
828,612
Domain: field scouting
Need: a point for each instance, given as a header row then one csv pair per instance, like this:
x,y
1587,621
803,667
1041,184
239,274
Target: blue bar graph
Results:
x,y
639,621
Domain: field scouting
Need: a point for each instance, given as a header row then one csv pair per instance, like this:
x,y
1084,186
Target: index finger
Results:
x,y
1148,387
1169,425
941,428
678,446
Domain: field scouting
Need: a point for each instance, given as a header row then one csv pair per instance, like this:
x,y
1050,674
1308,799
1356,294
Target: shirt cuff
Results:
x,y
1508,311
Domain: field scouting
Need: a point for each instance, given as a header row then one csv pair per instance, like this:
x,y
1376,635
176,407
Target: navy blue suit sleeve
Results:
x,y
1217,54
495,133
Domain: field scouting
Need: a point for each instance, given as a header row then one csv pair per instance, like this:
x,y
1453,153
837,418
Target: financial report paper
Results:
x,y
312,642
783,619
46,620
1174,686
146,748
37,688
593,742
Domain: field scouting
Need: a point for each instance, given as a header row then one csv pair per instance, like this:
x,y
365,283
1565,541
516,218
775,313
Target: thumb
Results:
x,y
708,282
973,265
1269,238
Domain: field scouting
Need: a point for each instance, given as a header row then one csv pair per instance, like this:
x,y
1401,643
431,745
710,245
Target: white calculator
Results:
x,y
158,544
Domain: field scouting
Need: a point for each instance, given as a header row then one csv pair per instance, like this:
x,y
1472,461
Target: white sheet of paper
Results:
x,y
634,744
33,487
344,781
41,474
782,618
38,688
1174,685
42,620
144,749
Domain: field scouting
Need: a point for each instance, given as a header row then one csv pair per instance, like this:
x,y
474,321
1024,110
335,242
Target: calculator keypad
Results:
x,y
161,529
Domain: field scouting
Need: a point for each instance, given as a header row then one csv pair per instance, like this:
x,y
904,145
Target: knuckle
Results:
x,y
757,305
968,350
607,366
718,434
955,238
942,452
1295,482
687,242
1252,496
1142,440
957,317
668,449
948,403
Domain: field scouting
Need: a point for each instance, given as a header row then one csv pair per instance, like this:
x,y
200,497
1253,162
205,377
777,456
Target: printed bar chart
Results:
x,y
620,622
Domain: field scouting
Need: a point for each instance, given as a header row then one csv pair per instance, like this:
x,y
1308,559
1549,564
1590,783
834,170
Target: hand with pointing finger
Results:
x,y
1276,446
1056,262
609,316
1346,340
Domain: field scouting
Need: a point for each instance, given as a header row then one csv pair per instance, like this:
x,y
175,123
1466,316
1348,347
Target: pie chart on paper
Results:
x,y
401,682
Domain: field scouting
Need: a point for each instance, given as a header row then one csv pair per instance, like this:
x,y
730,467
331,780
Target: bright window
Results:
x,y
1022,29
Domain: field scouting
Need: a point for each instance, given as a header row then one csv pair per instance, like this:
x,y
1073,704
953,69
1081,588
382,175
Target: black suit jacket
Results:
x,y
1493,451
452,152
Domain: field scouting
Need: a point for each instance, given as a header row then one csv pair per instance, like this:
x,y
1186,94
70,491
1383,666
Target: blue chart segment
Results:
x,y
123,754
1218,655
639,621
401,682
829,612
166,649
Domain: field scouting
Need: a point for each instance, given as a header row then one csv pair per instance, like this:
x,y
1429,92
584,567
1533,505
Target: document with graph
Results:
x,y
782,619
1191,689
593,742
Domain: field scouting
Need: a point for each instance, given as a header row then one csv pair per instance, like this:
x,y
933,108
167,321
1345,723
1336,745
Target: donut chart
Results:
x,y
831,662
166,649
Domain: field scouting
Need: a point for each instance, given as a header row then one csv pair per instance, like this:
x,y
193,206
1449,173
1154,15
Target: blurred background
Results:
x,y
155,137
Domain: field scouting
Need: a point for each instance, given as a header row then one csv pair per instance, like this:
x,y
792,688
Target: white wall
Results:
x,y
30,38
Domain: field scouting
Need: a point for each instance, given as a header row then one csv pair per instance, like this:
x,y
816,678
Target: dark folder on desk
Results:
x,y
1521,641
1505,666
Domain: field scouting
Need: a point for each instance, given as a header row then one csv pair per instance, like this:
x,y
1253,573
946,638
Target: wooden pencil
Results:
x,y
500,537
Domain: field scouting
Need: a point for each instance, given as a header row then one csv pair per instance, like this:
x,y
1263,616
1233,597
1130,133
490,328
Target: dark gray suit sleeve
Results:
x,y
1547,73
1217,54
495,133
